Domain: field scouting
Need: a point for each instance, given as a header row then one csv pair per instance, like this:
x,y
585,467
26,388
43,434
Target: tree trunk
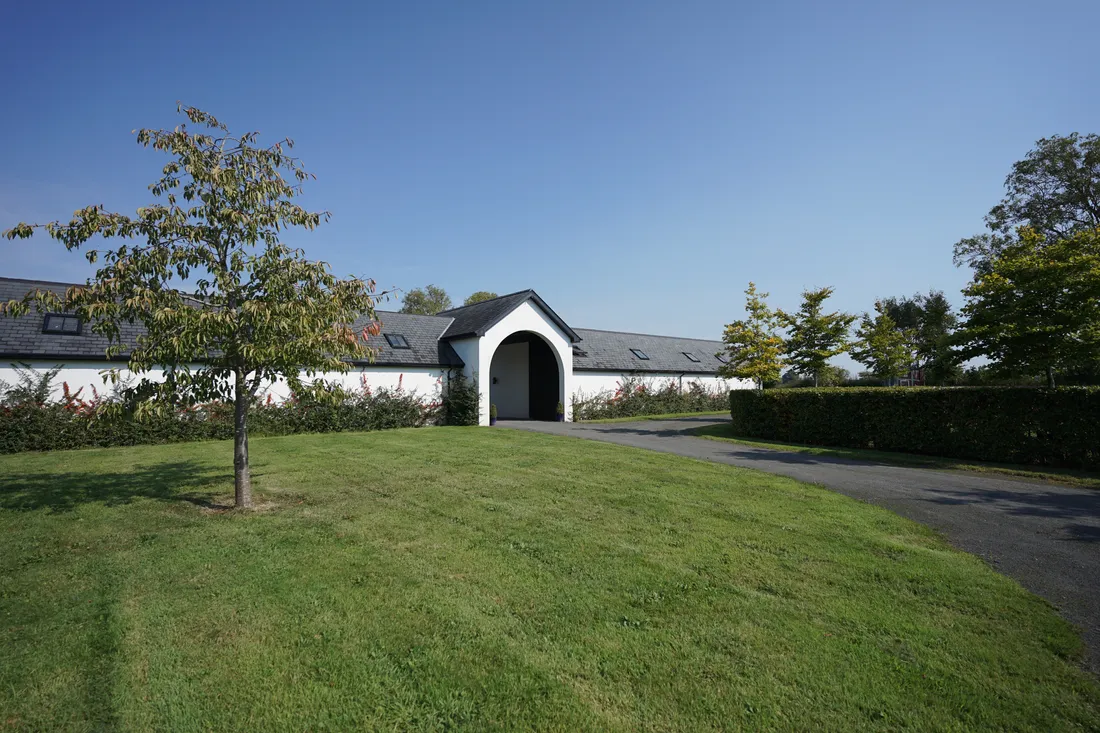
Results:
x,y
815,379
242,479
1050,377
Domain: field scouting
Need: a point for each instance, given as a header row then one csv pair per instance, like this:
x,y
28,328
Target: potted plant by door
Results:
x,y
561,412
492,414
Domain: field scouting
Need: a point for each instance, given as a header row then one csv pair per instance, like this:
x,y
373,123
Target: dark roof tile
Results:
x,y
23,337
477,319
427,337
610,351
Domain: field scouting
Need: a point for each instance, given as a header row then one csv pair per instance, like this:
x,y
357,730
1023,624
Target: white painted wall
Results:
x,y
509,381
426,382
78,374
476,353
590,383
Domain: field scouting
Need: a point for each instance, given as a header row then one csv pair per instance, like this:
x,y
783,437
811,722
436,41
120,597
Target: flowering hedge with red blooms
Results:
x,y
635,396
78,420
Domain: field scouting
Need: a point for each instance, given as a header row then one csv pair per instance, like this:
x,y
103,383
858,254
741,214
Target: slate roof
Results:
x,y
423,334
593,350
22,338
476,319
610,351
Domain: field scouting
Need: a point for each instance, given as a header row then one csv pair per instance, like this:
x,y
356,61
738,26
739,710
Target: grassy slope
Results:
x,y
421,579
1060,475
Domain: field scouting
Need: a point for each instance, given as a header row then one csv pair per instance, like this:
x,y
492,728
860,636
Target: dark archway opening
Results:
x,y
524,378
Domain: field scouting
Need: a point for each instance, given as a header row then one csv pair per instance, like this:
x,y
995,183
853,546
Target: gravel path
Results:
x,y
1046,536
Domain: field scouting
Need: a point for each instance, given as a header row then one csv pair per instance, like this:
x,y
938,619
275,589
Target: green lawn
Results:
x,y
494,579
724,431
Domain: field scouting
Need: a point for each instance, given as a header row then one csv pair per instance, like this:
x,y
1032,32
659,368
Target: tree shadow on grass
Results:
x,y
188,481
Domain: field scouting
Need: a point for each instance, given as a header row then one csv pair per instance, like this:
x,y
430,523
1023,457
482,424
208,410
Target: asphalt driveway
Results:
x,y
1046,536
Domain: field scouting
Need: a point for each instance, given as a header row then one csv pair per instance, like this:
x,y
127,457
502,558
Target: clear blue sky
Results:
x,y
634,162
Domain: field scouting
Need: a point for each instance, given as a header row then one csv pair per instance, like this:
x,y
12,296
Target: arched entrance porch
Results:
x,y
525,378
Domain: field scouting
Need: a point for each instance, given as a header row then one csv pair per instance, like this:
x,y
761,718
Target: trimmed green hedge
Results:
x,y
1027,425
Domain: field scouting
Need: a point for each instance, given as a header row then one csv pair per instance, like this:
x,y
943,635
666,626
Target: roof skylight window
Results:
x,y
397,341
691,356
640,354
65,324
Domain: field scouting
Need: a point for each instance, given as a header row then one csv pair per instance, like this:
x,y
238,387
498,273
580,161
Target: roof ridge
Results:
x,y
439,338
415,315
651,335
487,300
40,282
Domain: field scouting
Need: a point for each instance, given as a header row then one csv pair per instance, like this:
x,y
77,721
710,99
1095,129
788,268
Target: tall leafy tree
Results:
x,y
814,336
426,301
754,348
904,311
1036,308
886,350
255,310
1055,191
932,321
479,296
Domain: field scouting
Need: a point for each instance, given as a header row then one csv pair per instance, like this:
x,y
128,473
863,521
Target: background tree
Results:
x,y
753,346
426,302
258,310
1036,308
1055,191
932,321
833,376
813,336
886,350
479,296
829,376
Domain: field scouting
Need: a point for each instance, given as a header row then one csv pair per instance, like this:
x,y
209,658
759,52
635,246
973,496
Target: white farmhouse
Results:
x,y
524,357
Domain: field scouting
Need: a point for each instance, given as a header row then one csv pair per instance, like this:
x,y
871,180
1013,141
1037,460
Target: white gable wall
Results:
x,y
527,317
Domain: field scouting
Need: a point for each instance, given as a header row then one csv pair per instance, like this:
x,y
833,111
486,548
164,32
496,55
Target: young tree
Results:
x,y
479,296
1036,309
886,350
813,336
426,302
257,311
754,349
1055,191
